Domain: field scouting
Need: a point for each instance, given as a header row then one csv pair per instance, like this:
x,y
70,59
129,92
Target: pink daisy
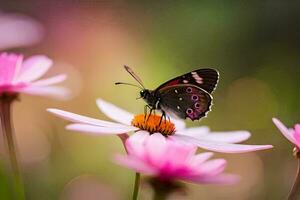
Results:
x,y
17,30
293,135
21,76
168,160
174,129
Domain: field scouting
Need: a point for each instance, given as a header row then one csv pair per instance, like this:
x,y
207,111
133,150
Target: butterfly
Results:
x,y
186,96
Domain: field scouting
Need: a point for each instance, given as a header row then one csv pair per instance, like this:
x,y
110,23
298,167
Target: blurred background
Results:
x,y
254,44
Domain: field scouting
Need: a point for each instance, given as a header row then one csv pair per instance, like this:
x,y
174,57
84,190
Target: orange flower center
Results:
x,y
153,124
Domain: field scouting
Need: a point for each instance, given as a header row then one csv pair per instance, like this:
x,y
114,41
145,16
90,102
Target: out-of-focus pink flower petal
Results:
x,y
50,81
200,158
285,131
297,134
297,128
212,167
227,137
221,147
156,147
82,119
99,130
194,131
18,30
136,143
224,179
135,164
34,68
179,153
114,112
55,92
8,66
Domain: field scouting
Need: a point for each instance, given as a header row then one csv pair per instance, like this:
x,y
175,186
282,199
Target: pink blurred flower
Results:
x,y
18,30
293,135
199,136
21,76
168,160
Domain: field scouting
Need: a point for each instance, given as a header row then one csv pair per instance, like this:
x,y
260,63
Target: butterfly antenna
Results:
x,y
122,83
134,75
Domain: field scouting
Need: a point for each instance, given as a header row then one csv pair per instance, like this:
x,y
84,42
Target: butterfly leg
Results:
x,y
146,113
163,117
151,110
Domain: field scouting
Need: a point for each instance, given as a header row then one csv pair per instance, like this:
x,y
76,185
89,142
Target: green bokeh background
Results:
x,y
254,44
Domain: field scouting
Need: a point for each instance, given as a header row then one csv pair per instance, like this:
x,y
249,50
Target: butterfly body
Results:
x,y
186,96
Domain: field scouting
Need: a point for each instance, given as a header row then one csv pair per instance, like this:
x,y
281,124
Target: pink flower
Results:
x,y
21,76
18,30
168,160
293,135
175,130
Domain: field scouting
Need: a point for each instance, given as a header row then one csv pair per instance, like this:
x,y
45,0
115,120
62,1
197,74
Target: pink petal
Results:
x,y
221,147
227,179
135,164
82,119
200,158
114,112
136,143
8,66
226,137
212,167
50,81
285,131
33,68
179,153
297,134
55,92
156,147
99,130
18,30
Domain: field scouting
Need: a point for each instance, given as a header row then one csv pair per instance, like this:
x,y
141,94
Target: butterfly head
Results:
x,y
144,93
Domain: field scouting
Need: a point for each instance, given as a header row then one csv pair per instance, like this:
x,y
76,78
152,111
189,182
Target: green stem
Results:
x,y
7,130
136,186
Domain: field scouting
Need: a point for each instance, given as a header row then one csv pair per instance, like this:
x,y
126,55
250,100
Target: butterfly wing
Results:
x,y
185,101
206,79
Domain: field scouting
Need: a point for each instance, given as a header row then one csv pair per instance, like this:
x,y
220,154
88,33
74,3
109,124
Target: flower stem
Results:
x,y
7,130
136,186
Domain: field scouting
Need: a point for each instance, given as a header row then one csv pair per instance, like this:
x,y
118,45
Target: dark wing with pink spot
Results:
x,y
185,101
206,79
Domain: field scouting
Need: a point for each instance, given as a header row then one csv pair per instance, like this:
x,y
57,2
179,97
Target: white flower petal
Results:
x,y
221,147
226,137
194,131
179,123
98,130
114,112
82,119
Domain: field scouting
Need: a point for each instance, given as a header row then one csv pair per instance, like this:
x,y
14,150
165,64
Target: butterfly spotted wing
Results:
x,y
206,79
185,101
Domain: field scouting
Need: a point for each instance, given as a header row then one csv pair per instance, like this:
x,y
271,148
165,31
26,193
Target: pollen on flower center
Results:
x,y
153,124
